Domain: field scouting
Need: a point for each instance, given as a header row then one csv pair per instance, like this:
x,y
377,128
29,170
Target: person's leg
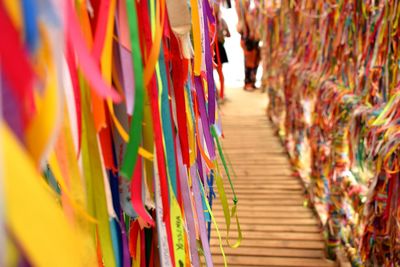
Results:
x,y
255,66
249,65
253,76
247,78
246,70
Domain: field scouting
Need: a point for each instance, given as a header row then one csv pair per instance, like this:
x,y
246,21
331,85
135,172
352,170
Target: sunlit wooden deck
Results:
x,y
278,230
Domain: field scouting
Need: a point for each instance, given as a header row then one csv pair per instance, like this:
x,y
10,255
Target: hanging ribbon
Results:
x,y
130,157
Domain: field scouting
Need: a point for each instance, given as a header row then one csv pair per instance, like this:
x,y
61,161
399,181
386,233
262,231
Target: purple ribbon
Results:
x,y
125,67
203,116
200,216
187,205
209,11
126,257
209,66
200,165
10,109
128,78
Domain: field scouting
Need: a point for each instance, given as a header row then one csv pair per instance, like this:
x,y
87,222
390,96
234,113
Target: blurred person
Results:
x,y
222,32
220,55
248,27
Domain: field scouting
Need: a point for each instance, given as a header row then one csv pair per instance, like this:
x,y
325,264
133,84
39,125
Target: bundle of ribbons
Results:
x,y
334,67
109,134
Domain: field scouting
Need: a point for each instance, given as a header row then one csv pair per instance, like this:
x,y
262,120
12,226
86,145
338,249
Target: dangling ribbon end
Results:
x,y
235,200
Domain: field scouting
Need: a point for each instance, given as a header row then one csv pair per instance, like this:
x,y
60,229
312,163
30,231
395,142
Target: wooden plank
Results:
x,y
267,197
262,155
272,261
258,155
244,213
265,180
255,167
262,209
234,122
278,181
279,236
218,214
281,185
276,244
271,252
261,179
268,134
250,139
281,221
268,171
265,135
258,175
255,149
271,202
267,193
263,189
247,128
273,157
265,144
235,265
266,152
254,163
261,166
244,119
262,147
272,228
264,194
272,174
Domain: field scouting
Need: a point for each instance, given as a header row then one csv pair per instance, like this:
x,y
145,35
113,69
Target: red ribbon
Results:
x,y
15,66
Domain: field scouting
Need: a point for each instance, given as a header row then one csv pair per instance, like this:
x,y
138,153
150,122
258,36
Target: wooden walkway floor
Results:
x,y
277,229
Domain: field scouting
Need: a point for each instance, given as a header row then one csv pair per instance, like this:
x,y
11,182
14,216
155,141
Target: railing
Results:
x,y
333,98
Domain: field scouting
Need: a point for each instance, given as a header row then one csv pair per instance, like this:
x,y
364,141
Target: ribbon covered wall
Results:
x,y
109,133
333,82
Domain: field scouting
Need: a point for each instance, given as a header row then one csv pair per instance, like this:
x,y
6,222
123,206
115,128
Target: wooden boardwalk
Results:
x,y
277,229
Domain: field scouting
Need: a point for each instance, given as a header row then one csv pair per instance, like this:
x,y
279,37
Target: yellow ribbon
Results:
x,y
225,208
190,129
215,224
55,168
14,11
106,67
42,127
155,48
95,187
196,37
33,215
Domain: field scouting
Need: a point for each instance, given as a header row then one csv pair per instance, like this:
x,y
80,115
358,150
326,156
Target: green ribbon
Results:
x,y
221,154
135,131
221,191
95,189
